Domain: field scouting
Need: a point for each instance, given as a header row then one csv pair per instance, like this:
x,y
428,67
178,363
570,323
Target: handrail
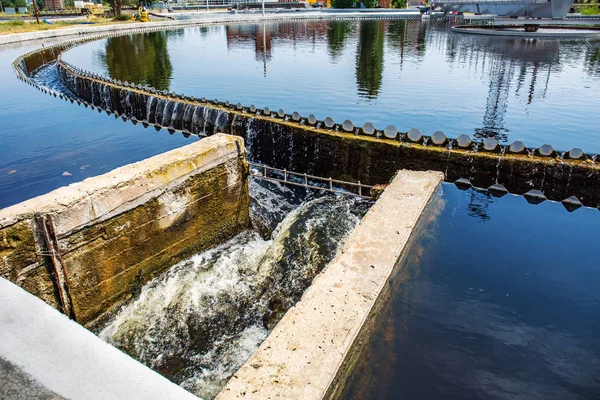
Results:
x,y
304,181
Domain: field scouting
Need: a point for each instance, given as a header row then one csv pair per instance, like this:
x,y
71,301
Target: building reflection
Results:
x,y
592,58
510,66
263,36
142,58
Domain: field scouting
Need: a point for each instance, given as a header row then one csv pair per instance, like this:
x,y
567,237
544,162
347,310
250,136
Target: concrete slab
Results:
x,y
301,357
44,355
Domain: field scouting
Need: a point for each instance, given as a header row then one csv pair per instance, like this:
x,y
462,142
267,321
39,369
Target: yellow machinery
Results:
x,y
142,15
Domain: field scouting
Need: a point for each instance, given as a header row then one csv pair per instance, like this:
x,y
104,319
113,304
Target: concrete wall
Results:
x,y
305,352
44,355
112,233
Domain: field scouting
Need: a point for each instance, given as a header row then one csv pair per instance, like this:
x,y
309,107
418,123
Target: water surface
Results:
x,y
498,299
407,73
46,143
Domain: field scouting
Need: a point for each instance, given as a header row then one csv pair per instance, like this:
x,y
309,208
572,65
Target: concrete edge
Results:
x,y
94,199
490,32
302,356
67,359
232,18
359,354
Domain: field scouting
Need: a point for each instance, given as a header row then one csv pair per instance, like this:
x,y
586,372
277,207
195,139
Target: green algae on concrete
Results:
x,y
119,230
21,263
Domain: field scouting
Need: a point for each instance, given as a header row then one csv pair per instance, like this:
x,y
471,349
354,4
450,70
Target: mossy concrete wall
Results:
x,y
114,232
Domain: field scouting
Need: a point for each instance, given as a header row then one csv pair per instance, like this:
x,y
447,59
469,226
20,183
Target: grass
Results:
x,y
20,26
590,9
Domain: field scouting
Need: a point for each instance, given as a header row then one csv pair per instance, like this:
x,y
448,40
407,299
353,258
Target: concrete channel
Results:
x,y
305,352
80,249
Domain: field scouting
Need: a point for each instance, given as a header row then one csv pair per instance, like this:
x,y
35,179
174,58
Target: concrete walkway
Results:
x,y
301,357
44,355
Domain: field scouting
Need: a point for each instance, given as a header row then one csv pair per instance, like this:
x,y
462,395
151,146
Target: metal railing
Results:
x,y
310,181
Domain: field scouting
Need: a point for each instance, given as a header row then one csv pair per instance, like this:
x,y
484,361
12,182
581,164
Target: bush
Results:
x,y
122,17
590,10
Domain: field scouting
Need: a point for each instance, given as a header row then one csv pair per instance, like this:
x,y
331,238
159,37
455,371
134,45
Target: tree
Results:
x,y
370,3
69,3
14,3
116,6
398,3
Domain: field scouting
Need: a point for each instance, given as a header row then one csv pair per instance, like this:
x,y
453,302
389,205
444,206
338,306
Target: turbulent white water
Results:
x,y
201,320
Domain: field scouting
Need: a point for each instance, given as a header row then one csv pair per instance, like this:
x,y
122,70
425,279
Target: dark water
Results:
x,y
498,300
402,72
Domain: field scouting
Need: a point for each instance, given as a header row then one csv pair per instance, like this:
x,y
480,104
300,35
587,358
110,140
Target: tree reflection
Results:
x,y
397,33
337,33
479,204
592,58
369,58
142,59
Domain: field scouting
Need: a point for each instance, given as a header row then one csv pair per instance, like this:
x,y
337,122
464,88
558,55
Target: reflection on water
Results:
x,y
337,33
369,58
497,299
142,58
408,73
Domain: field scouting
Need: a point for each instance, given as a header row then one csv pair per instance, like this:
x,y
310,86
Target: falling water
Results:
x,y
201,320
160,111
198,120
167,113
151,108
188,113
500,157
250,138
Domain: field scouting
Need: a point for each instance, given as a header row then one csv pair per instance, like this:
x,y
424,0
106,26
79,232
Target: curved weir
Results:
x,y
338,150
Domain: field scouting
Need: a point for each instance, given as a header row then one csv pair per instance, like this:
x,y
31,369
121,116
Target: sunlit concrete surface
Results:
x,y
44,355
